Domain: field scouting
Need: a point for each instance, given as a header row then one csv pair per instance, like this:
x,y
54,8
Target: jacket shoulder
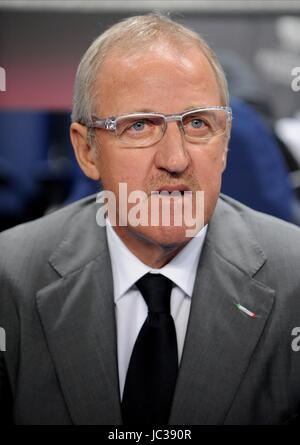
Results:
x,y
278,238
33,242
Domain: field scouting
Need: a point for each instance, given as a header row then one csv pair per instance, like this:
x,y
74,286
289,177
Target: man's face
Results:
x,y
166,80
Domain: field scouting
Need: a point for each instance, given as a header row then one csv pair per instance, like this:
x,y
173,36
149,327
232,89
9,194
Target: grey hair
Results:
x,y
126,34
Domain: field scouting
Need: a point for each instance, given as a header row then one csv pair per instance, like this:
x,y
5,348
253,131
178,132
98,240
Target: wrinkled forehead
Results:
x,y
159,69
183,54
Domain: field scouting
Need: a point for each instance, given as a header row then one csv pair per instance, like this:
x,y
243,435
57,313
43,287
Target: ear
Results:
x,y
226,149
224,157
84,153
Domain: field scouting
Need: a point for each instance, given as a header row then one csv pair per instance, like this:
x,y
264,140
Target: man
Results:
x,y
140,323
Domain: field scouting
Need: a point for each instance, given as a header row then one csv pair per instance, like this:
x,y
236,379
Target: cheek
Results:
x,y
121,168
210,175
208,166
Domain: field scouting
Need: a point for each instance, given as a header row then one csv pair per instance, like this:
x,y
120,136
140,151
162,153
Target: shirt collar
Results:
x,y
127,268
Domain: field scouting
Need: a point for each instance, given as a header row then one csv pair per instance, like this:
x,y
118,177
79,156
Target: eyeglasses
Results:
x,y
140,130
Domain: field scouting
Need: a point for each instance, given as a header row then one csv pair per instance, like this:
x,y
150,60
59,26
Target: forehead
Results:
x,y
160,78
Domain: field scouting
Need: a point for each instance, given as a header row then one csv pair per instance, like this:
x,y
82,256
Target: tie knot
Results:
x,y
156,290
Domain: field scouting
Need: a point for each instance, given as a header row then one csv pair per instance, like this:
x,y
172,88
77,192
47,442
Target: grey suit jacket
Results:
x,y
56,306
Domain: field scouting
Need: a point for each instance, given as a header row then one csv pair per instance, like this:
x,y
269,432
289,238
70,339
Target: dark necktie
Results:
x,y
153,367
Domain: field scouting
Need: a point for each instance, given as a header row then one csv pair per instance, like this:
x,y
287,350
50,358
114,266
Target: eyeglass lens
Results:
x,y
144,130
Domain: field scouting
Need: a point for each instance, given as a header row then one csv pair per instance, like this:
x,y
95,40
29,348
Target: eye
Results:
x,y
138,126
197,123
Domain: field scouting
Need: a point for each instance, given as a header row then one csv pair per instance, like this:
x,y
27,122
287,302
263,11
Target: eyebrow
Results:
x,y
143,110
194,107
148,110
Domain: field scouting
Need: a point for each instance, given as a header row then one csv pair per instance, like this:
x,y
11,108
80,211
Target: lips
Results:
x,y
172,188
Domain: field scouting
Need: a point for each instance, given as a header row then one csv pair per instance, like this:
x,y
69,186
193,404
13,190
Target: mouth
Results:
x,y
167,189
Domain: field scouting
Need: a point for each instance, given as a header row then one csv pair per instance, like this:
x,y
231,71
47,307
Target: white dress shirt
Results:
x,y
130,307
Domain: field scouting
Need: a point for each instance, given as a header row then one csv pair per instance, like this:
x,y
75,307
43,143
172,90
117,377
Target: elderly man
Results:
x,y
139,323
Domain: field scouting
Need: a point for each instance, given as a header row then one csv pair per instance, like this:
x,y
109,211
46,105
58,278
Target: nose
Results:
x,y
171,154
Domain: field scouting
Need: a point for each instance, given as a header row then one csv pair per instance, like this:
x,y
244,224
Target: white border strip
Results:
x,y
171,5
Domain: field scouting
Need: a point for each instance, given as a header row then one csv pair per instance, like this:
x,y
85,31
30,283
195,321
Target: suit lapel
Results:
x,y
220,338
77,314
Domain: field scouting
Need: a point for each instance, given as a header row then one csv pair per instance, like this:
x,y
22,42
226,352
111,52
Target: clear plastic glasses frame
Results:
x,y
140,130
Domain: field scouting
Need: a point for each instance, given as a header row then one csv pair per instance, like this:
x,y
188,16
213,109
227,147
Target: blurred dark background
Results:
x,y
41,43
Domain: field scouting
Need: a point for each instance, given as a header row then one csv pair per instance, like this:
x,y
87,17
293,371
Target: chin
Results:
x,y
164,236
